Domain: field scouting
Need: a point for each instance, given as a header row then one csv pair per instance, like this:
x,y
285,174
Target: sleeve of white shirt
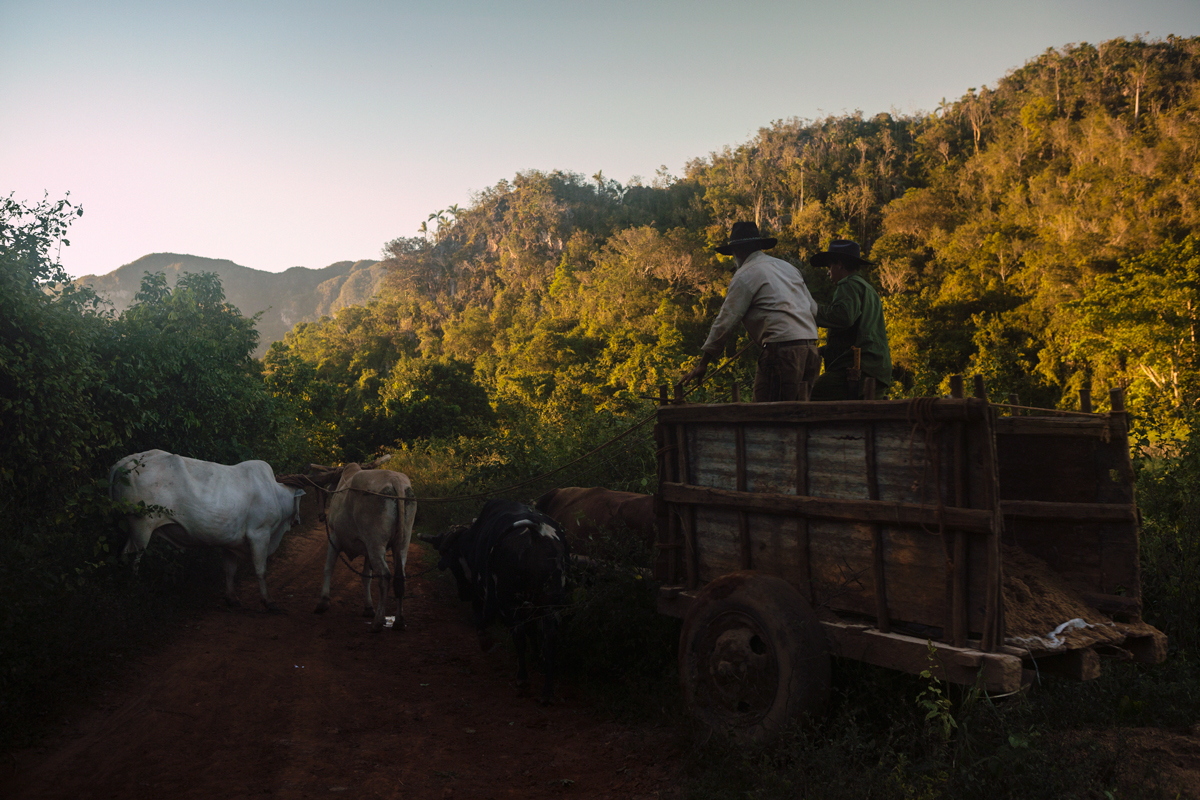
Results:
x,y
737,303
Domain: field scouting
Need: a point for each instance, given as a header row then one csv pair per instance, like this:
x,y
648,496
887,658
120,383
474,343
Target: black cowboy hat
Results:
x,y
744,234
840,250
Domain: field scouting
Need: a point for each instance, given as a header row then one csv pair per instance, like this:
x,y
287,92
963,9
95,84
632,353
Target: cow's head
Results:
x,y
452,557
323,476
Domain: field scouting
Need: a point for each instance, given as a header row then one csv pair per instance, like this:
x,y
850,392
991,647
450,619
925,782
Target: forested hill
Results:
x,y
1039,232
285,298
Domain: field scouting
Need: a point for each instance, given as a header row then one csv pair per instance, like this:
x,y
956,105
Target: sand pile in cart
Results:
x,y
1043,611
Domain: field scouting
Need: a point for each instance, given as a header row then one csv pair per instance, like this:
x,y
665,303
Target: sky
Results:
x,y
282,134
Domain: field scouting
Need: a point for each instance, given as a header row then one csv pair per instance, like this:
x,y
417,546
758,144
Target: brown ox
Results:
x,y
584,512
368,515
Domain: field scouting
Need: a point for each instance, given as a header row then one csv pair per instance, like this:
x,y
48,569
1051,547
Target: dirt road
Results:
x,y
245,703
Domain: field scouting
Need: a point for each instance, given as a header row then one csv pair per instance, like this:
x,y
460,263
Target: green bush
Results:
x,y
80,388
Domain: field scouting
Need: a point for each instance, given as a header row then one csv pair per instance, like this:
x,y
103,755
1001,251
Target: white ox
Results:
x,y
239,508
367,516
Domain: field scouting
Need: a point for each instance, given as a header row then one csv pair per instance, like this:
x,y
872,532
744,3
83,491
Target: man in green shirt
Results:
x,y
853,319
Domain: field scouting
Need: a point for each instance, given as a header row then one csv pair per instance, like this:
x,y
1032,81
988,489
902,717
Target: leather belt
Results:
x,y
793,343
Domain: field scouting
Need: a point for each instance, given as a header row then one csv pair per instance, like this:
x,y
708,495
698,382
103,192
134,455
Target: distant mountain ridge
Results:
x,y
286,298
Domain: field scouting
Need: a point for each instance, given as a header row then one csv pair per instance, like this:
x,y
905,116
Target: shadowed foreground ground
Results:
x,y
244,703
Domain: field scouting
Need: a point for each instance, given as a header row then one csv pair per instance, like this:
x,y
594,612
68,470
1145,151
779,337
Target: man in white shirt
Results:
x,y
770,297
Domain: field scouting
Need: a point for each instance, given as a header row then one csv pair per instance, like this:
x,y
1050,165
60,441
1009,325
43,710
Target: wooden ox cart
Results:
x,y
911,534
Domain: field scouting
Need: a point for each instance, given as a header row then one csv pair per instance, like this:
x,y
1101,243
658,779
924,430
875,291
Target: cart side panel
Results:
x,y
836,569
1095,557
908,468
836,464
1045,467
712,455
842,580
1081,464
771,464
775,547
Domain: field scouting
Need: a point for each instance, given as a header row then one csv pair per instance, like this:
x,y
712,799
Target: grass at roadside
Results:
x,y
880,739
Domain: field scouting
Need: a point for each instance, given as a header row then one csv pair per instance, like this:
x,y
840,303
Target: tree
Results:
x,y
1138,327
182,375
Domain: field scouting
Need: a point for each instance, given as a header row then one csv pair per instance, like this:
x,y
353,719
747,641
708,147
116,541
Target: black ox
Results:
x,y
511,563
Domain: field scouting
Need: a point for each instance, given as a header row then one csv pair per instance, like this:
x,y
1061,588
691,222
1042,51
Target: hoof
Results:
x,y
322,606
274,609
399,624
486,643
368,611
233,602
523,689
546,701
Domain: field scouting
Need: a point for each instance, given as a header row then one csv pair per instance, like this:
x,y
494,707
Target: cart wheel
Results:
x,y
752,656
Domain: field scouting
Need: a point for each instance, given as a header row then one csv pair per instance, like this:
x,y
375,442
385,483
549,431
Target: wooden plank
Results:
x,y
881,604
1148,649
739,433
1047,468
996,672
1093,427
834,460
802,523
1068,512
967,519
794,412
1077,665
993,622
770,460
1113,603
841,574
958,564
1070,502
686,514
666,541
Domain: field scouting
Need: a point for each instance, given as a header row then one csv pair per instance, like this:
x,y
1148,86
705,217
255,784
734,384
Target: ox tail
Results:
x,y
397,532
112,489
406,512
116,470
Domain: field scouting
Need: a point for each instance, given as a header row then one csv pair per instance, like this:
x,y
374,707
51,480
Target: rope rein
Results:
x,y
1050,411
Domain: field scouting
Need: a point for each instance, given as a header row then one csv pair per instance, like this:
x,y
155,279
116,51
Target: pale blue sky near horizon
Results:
x,y
279,134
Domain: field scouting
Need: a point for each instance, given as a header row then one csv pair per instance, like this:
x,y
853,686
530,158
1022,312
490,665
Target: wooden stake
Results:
x,y
882,620
739,436
802,522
